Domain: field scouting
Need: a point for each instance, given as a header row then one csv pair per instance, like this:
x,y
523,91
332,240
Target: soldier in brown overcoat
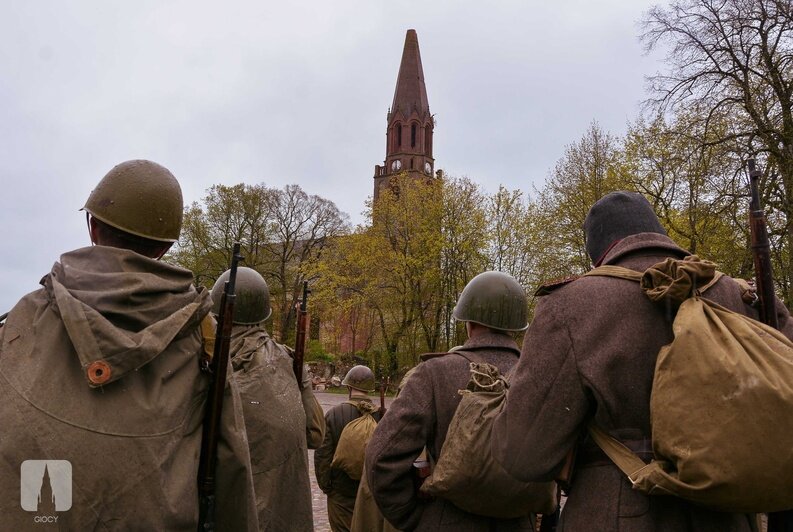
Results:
x,y
590,354
100,368
493,306
281,420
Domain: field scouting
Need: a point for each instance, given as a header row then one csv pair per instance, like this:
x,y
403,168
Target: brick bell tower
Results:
x,y
410,124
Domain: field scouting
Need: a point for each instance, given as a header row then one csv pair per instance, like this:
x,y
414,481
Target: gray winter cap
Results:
x,y
615,216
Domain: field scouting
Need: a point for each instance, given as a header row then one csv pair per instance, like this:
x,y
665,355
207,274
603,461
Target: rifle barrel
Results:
x,y
214,408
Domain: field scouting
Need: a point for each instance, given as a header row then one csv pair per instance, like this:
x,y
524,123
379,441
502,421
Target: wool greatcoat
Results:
x,y
276,415
420,417
100,368
590,353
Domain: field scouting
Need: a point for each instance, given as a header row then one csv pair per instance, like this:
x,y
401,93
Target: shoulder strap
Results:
x,y
619,272
208,336
363,407
716,276
625,459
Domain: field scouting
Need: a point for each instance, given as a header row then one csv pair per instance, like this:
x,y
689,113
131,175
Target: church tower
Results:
x,y
410,124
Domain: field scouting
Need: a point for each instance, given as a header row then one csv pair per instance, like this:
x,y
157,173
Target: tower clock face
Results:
x,y
396,165
427,168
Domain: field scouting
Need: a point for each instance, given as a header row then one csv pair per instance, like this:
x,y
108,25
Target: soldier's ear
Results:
x,y
92,230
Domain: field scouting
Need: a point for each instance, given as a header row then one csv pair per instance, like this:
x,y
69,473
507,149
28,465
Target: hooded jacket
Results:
x,y
275,421
100,368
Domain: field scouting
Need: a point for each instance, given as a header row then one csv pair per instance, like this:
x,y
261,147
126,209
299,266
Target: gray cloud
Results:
x,y
287,92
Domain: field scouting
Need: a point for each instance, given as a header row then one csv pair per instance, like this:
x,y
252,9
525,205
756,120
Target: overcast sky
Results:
x,y
288,92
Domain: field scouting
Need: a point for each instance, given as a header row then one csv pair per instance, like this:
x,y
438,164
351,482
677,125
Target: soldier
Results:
x,y
493,306
590,354
281,420
99,375
340,488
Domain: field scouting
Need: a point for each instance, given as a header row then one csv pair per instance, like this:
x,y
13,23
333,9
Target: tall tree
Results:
x,y
691,182
733,60
587,171
281,231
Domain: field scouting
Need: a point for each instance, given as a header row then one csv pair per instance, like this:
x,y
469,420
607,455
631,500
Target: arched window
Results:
x,y
413,135
398,135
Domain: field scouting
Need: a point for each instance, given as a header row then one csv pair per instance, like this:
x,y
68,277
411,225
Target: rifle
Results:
x,y
383,388
764,280
217,368
303,323
761,252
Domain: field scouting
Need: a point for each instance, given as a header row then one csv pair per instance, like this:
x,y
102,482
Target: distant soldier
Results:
x,y
493,306
340,487
590,354
99,369
278,415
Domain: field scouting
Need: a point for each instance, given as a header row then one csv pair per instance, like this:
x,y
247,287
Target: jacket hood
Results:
x,y
246,340
121,309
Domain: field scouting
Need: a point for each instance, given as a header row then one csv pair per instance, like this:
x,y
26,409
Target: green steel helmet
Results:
x,y
141,198
495,300
252,304
359,377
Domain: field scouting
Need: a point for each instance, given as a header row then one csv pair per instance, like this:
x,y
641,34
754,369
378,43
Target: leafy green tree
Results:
x,y
731,61
281,232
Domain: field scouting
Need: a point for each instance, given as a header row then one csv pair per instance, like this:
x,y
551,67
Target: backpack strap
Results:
x,y
208,338
625,459
609,270
364,407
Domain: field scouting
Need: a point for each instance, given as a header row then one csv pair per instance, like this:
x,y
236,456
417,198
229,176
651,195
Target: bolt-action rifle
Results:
x,y
761,252
764,280
303,322
217,368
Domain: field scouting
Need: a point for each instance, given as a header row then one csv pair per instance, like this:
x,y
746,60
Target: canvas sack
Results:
x,y
466,473
721,407
349,454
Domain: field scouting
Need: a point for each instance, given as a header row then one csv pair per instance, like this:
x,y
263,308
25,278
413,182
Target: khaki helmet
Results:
x,y
252,304
141,198
359,377
495,300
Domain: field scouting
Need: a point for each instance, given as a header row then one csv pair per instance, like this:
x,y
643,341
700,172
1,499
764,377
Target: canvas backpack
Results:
x,y
350,451
466,473
721,407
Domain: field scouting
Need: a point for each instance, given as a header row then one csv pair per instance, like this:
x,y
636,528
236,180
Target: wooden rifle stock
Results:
x,y
761,252
303,323
217,368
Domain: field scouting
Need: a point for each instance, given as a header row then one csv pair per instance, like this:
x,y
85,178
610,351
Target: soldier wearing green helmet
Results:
x,y
281,420
100,368
494,308
340,487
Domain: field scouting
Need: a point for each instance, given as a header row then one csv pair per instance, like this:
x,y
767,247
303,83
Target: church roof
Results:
x,y
410,93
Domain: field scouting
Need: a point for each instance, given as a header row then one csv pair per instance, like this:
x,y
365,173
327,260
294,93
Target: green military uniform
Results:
x,y
100,367
281,420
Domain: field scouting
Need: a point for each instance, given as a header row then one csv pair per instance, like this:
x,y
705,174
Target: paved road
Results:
x,y
327,400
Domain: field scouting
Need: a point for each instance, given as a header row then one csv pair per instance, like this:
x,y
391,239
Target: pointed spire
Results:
x,y
410,93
